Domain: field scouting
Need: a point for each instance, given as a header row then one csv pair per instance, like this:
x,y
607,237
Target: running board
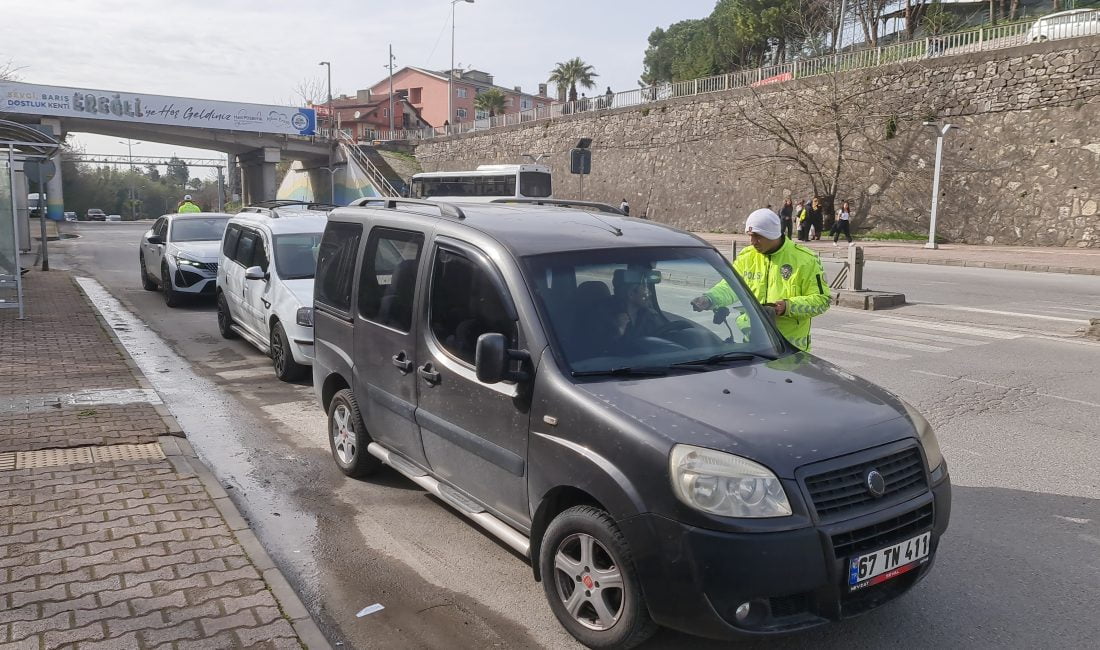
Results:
x,y
453,498
251,338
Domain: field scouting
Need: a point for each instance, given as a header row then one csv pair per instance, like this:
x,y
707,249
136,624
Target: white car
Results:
x,y
1065,24
114,217
179,255
265,281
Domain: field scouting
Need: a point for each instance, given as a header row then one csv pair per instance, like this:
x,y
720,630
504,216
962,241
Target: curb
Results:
x,y
179,452
1036,268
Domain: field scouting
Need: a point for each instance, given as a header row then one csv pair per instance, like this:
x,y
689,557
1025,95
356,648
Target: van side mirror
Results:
x,y
492,357
254,273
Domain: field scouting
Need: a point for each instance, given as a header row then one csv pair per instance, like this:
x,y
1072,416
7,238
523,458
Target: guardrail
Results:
x,y
376,177
976,40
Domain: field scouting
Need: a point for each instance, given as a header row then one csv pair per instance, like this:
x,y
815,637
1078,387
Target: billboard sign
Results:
x,y
56,101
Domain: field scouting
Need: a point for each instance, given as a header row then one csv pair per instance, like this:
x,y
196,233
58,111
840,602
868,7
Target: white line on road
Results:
x,y
998,312
947,327
986,383
926,336
920,347
850,349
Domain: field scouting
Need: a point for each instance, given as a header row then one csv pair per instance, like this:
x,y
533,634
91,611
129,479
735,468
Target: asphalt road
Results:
x,y
991,358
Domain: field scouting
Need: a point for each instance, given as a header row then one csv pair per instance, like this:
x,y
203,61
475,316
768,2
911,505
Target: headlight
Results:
x,y
726,485
186,262
926,434
305,317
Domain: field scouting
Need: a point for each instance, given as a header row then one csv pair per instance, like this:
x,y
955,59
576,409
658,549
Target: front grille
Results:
x,y
791,605
187,278
884,533
844,490
208,266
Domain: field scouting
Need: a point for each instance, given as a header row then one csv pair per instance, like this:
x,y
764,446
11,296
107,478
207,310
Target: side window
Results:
x,y
160,229
387,282
245,248
259,255
229,244
464,305
336,264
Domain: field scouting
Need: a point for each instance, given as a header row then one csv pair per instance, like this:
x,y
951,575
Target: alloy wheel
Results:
x,y
343,435
278,352
589,581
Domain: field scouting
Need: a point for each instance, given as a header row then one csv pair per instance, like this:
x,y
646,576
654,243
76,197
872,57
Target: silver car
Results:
x,y
179,255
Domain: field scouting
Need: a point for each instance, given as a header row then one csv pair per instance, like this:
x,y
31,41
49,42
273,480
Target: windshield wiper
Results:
x,y
724,357
622,372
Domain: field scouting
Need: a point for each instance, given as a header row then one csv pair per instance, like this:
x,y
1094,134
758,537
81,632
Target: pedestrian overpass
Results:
x,y
255,137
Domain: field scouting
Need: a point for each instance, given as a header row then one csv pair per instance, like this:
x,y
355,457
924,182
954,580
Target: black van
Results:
x,y
541,370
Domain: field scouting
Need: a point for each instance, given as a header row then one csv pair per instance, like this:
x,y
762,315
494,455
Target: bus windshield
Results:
x,y
468,186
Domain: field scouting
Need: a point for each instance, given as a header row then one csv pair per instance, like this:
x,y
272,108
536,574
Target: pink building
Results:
x,y
367,113
426,91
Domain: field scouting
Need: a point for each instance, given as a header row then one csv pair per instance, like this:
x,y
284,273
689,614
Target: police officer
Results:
x,y
780,273
187,205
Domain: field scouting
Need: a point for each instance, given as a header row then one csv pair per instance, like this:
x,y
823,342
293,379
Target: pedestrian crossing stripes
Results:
x,y
896,339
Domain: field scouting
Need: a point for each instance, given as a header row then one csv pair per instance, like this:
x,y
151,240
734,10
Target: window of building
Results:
x,y
465,304
387,281
385,112
336,264
525,103
460,114
461,93
415,95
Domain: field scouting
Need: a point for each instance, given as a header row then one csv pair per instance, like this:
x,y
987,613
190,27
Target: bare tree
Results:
x,y
9,71
832,124
870,17
312,91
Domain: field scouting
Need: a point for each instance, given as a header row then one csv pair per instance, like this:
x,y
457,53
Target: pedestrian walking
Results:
x,y
783,275
786,218
625,207
608,97
843,223
187,205
803,216
812,221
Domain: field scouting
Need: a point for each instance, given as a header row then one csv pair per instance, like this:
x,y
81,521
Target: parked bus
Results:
x,y
486,183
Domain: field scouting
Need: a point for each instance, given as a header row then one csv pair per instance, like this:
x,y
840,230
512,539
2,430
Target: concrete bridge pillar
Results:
x,y
55,197
258,174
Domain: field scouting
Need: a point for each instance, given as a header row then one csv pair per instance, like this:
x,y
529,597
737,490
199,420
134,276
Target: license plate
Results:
x,y
890,562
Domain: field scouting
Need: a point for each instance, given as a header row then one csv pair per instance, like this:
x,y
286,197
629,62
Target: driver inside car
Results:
x,y
635,316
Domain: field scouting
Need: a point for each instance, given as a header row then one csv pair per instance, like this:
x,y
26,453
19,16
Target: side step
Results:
x,y
449,495
248,336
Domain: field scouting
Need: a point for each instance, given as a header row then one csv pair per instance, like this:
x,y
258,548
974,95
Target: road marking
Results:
x,y
878,354
1074,520
997,312
986,383
920,347
926,336
947,327
247,373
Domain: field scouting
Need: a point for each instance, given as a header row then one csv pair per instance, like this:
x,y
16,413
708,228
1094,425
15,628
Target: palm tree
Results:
x,y
490,101
571,73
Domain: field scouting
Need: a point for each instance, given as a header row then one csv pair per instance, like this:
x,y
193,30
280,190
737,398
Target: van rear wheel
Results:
x,y
348,437
589,579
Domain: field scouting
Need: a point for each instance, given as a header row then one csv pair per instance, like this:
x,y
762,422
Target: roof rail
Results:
x,y
272,206
390,203
565,203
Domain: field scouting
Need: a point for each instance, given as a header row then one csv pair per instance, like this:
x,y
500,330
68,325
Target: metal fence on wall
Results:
x,y
966,42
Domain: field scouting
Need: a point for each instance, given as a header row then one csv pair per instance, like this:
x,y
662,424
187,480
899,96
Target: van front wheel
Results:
x,y
589,579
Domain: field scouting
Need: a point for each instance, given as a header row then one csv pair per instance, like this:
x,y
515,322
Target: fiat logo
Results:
x,y
876,485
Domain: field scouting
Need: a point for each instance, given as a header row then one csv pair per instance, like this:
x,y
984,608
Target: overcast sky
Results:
x,y
259,50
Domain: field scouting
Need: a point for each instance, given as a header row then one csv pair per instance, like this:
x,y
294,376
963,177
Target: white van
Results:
x,y
265,281
1065,24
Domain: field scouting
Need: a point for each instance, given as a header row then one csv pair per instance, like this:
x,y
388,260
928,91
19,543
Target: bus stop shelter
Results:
x,y
20,145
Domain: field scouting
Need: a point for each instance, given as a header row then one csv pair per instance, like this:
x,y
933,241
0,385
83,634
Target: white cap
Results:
x,y
186,197
765,223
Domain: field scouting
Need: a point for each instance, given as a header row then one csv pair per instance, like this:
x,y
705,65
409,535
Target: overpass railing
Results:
x,y
376,177
966,42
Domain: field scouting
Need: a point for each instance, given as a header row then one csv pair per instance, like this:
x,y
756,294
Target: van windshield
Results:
x,y
631,309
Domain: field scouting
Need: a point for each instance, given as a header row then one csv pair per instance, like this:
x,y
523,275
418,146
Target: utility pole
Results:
x,y
130,153
328,65
391,90
221,191
451,72
941,130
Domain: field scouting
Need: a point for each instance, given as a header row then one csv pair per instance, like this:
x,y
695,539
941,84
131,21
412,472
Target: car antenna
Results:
x,y
615,230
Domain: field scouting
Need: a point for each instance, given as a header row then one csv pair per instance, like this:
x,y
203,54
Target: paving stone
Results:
x,y
85,616
211,626
251,636
162,603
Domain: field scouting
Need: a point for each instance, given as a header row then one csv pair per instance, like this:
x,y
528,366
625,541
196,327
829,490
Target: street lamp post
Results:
x,y
328,65
451,72
130,152
941,130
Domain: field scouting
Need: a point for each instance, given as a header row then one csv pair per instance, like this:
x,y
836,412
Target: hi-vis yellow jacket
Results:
x,y
188,206
794,274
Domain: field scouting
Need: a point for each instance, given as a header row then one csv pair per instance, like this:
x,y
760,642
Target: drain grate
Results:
x,y
79,455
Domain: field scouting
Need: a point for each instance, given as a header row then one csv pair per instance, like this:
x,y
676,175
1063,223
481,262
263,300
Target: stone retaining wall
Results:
x,y
1023,169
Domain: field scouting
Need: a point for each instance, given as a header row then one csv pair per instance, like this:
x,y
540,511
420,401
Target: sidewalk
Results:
x,y
1084,261
112,533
